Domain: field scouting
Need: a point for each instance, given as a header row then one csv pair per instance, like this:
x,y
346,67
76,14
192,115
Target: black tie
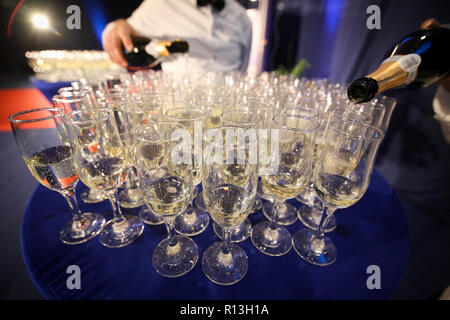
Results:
x,y
216,4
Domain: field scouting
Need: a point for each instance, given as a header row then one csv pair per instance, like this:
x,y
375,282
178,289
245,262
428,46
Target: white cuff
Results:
x,y
105,31
441,106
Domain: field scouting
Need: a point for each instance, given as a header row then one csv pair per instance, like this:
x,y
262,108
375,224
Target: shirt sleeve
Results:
x,y
441,106
246,45
145,20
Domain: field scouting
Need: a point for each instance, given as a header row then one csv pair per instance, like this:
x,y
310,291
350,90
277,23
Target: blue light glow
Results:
x,y
97,16
333,15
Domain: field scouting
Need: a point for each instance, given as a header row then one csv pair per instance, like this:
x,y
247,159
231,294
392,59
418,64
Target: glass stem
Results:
x,y
190,209
276,208
73,204
326,216
226,240
171,233
132,177
112,197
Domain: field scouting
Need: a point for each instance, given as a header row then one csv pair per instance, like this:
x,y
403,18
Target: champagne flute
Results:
x,y
71,99
101,162
118,101
192,221
296,140
245,119
311,213
166,181
287,213
229,188
341,177
141,112
264,109
45,147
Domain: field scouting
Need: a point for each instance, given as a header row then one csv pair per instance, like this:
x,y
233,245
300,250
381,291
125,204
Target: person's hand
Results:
x,y
428,24
119,35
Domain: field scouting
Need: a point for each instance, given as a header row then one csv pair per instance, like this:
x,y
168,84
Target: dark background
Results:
x,y
332,36
23,37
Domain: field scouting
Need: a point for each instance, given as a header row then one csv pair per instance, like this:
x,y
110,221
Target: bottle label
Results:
x,y
152,49
409,63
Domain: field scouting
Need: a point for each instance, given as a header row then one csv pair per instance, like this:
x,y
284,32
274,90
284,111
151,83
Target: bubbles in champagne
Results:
x,y
104,174
53,168
167,196
337,190
286,183
228,204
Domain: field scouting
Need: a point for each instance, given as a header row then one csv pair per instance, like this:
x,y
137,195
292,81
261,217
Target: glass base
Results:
x,y
149,217
238,233
273,242
199,202
83,230
92,196
257,205
310,217
116,235
191,222
318,252
224,269
287,214
131,198
175,261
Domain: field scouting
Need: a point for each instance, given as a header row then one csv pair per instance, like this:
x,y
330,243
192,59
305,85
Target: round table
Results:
x,y
372,232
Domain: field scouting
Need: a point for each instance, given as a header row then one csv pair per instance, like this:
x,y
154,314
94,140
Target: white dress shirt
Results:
x,y
441,106
218,41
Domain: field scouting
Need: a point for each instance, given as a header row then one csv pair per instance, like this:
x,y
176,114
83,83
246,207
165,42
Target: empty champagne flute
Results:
x,y
341,177
229,187
166,180
296,141
45,147
101,163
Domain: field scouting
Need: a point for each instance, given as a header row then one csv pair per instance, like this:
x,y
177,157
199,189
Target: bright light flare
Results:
x,y
40,21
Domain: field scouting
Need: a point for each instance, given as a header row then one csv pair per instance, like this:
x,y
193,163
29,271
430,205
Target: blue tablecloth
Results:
x,y
372,232
48,89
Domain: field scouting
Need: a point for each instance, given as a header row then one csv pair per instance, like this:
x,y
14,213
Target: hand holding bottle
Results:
x,y
417,60
428,24
119,36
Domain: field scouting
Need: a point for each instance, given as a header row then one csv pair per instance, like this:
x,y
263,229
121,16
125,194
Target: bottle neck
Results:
x,y
394,72
158,48
389,75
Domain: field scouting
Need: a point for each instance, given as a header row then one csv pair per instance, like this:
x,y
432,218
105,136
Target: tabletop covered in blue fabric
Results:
x,y
48,89
372,232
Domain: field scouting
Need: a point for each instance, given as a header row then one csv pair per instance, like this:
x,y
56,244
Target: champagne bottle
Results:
x,y
146,52
418,60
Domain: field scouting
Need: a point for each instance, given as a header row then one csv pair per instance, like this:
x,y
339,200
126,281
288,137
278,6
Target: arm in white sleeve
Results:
x,y
441,106
144,20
